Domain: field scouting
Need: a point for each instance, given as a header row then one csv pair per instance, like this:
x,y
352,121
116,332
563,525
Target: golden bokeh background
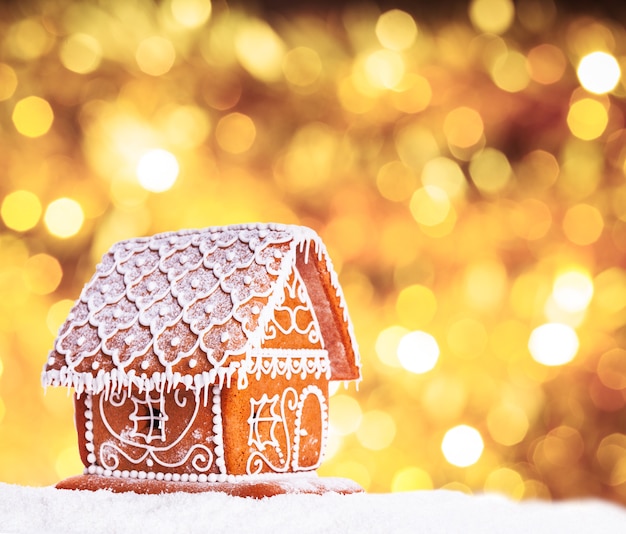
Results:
x,y
466,171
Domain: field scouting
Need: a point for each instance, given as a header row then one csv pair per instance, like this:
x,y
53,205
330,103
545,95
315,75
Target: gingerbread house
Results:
x,y
206,355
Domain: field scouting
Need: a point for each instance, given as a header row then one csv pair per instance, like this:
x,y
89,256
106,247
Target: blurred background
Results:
x,y
463,162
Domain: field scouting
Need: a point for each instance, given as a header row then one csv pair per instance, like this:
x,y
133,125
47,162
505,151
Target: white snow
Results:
x,y
33,510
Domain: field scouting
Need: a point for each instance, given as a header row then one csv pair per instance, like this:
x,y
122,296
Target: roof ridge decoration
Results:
x,y
186,308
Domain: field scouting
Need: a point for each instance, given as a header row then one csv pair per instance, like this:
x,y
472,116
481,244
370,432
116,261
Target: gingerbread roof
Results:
x,y
185,308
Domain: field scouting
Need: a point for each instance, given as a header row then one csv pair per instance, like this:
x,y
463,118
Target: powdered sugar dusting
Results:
x,y
28,510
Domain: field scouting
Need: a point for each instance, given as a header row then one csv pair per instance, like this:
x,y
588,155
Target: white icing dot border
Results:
x,y
187,477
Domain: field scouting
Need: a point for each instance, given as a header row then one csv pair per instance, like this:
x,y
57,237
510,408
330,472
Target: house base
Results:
x,y
257,488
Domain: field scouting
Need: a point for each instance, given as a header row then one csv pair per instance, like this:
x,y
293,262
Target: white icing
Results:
x,y
288,363
266,414
218,431
316,393
143,296
296,290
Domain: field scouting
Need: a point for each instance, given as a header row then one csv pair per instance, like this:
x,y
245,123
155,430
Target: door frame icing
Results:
x,y
311,390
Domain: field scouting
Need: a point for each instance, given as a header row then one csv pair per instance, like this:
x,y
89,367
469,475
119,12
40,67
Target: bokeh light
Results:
x,y
235,133
155,55
259,49
396,30
587,119
462,446
8,81
493,16
20,210
599,72
64,217
463,127
191,13
32,116
81,53
553,344
572,290
583,224
418,352
157,170
464,166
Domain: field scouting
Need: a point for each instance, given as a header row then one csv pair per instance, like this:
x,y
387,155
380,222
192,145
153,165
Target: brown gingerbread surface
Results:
x,y
256,489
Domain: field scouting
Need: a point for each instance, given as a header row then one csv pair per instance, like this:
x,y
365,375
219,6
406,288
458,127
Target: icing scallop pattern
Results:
x,y
179,304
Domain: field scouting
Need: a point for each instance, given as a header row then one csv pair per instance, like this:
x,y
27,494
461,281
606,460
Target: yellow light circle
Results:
x,y
395,181
510,73
155,55
583,224
384,69
32,116
508,424
81,53
376,431
492,16
418,352
562,447
187,126
573,290
396,30
430,205
8,81
259,50
235,133
446,174
42,274
490,170
191,13
463,127
28,39
553,344
157,170
587,119
345,414
64,217
302,66
462,446
599,72
21,210
546,63
411,479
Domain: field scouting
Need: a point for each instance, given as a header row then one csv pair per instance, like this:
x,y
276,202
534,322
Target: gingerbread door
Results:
x,y
311,428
